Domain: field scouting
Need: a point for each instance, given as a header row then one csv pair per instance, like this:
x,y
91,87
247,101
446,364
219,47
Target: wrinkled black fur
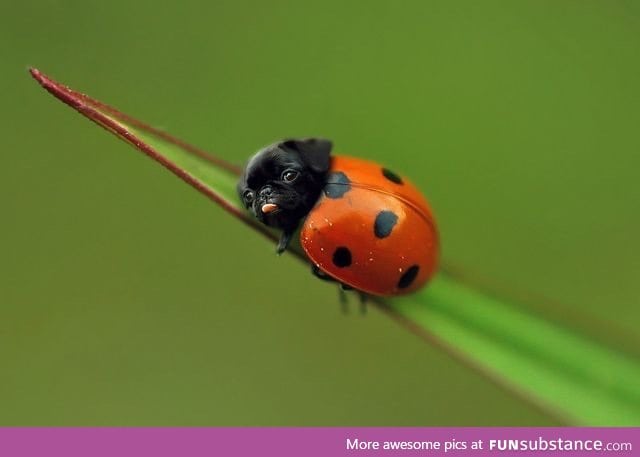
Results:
x,y
310,158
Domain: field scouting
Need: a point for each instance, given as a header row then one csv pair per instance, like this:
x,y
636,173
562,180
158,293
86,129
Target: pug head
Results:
x,y
282,182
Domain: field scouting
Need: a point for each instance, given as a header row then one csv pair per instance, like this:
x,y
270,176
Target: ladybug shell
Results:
x,y
371,229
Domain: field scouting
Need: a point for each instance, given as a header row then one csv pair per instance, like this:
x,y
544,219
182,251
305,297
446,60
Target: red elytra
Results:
x,y
371,230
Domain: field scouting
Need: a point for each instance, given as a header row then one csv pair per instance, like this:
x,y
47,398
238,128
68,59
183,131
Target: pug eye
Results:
x,y
248,196
290,175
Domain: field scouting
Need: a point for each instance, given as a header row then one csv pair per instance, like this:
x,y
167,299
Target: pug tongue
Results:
x,y
269,208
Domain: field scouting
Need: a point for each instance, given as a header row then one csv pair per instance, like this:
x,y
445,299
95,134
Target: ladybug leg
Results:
x,y
342,291
342,295
318,273
363,302
285,238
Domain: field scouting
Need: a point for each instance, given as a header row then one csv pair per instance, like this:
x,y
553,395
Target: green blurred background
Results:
x,y
127,298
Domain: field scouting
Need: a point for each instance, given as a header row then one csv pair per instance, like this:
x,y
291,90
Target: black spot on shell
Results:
x,y
385,222
342,257
408,277
391,176
337,185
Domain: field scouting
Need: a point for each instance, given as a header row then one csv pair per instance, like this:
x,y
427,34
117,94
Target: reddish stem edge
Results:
x,y
89,108
56,88
459,356
603,330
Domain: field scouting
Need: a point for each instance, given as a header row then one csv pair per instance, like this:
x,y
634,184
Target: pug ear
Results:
x,y
315,152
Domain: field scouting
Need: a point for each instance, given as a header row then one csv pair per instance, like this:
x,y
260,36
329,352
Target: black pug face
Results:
x,y
282,182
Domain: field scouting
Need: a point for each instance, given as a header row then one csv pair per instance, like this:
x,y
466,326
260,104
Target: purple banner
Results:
x,y
318,442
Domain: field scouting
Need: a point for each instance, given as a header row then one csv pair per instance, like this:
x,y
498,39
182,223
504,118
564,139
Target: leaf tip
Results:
x,y
42,79
35,73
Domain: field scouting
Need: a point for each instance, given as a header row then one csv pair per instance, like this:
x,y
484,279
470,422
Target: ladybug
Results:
x,y
360,223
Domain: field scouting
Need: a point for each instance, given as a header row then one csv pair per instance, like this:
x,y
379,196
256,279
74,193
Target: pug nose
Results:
x,y
266,192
